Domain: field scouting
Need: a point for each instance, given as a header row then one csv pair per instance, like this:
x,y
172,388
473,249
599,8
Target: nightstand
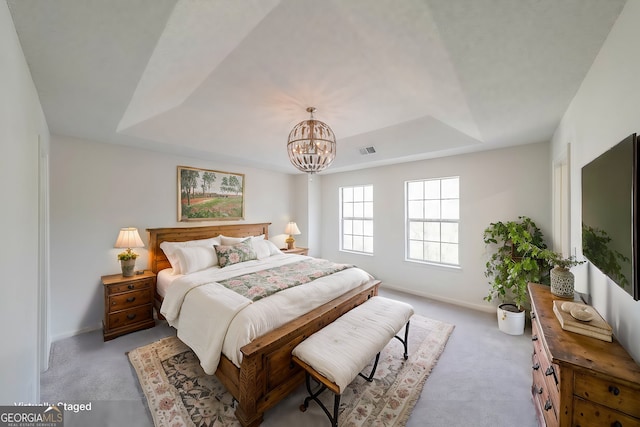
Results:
x,y
128,303
297,251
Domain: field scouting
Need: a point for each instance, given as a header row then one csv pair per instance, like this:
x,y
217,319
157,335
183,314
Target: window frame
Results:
x,y
440,221
353,217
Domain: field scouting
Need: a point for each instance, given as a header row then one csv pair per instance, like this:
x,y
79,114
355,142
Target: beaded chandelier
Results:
x,y
312,145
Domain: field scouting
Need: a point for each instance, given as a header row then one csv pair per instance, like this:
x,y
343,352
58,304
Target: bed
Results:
x,y
265,374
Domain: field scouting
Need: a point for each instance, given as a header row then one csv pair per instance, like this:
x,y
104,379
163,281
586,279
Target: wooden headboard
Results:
x,y
158,260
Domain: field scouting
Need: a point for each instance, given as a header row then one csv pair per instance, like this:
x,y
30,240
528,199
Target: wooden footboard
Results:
x,y
267,373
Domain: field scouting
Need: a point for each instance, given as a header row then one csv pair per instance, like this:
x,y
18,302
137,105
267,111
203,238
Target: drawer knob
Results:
x,y
131,286
533,314
537,390
536,367
534,338
614,390
549,371
616,424
548,405
131,316
131,299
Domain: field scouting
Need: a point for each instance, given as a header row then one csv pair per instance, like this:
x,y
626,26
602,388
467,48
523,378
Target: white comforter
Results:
x,y
212,319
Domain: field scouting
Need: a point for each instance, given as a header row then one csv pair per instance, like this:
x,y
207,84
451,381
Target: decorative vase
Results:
x,y
562,282
510,319
128,267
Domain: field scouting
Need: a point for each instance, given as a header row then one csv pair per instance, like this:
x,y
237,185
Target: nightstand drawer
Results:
x,y
128,317
130,299
131,286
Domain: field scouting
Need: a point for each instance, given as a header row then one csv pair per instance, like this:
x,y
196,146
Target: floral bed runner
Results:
x,y
261,284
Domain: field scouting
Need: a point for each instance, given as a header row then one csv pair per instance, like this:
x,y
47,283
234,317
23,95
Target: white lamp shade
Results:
x,y
292,229
129,238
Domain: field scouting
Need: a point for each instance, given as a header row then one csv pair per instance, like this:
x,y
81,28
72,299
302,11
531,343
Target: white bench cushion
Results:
x,y
342,349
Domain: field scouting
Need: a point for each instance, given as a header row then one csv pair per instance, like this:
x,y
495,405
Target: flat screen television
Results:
x,y
610,214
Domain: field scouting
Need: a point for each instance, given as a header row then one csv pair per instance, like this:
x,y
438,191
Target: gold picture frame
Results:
x,y
209,195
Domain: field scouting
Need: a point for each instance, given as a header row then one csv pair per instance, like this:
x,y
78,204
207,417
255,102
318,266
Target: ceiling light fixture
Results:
x,y
312,145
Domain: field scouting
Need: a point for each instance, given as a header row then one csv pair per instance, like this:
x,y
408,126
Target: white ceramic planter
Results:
x,y
510,321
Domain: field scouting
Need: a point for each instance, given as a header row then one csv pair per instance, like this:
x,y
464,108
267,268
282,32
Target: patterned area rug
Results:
x,y
179,393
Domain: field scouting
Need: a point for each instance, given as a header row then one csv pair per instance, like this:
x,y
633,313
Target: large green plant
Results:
x,y
520,256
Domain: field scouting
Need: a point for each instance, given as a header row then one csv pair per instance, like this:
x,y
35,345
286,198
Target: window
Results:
x,y
433,216
356,219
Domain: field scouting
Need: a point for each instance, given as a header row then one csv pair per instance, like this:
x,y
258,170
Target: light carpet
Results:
x,y
179,393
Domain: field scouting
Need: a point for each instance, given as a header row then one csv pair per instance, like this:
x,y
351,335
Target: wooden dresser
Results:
x,y
578,380
128,303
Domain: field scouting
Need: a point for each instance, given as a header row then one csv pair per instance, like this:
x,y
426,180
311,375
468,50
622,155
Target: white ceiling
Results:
x,y
228,79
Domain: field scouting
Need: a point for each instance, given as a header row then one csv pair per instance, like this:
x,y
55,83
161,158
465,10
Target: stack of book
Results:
x,y
595,327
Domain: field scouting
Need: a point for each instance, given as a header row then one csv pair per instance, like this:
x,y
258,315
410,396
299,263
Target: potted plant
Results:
x,y
127,262
562,279
520,256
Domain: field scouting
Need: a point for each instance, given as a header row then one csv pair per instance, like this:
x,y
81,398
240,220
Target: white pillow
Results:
x,y
261,250
169,249
264,248
196,258
230,241
273,249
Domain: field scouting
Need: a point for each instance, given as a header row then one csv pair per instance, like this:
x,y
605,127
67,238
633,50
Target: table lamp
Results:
x,y
291,229
128,238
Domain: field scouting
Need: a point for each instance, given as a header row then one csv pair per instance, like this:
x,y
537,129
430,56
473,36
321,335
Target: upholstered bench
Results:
x,y
335,355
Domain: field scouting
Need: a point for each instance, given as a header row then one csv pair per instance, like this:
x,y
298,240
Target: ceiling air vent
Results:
x,y
367,150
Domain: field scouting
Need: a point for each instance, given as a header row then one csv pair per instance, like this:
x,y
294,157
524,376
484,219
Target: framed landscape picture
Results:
x,y
205,194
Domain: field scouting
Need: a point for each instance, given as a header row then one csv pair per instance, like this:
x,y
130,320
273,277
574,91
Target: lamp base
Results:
x,y
290,241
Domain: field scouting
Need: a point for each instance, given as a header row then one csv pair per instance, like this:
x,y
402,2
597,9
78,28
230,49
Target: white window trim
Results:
x,y
342,218
407,222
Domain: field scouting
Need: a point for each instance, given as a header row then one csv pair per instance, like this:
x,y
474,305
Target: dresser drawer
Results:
x,y
608,393
589,414
128,317
545,398
549,371
130,299
132,286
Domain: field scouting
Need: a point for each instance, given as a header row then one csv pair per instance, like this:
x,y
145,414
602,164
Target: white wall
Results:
x,y
497,185
306,201
98,188
21,125
604,111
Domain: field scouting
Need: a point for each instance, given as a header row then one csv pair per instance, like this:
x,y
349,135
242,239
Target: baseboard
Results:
x,y
477,307
70,334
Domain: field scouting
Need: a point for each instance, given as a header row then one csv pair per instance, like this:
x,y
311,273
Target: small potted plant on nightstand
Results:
x,y
127,262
